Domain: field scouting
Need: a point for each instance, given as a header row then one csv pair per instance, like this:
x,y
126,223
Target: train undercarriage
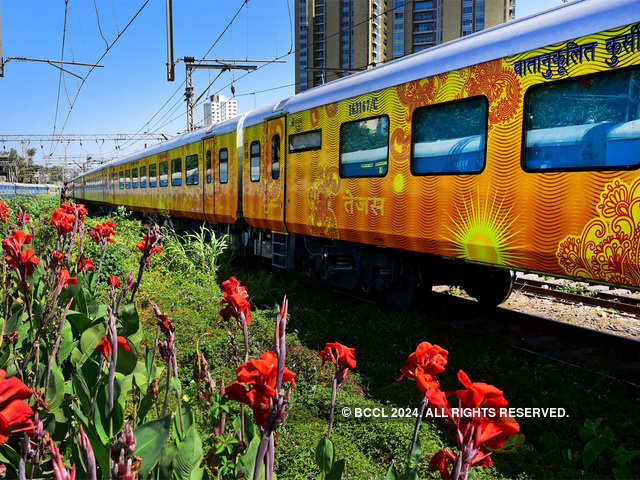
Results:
x,y
391,276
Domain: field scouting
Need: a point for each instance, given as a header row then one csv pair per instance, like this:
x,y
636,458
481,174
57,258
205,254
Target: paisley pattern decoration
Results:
x,y
331,109
315,116
501,86
322,202
608,248
420,92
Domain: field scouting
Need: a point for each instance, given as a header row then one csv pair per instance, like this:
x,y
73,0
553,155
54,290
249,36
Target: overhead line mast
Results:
x,y
192,63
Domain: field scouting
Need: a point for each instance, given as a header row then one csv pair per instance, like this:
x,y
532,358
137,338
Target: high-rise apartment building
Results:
x,y
336,37
219,108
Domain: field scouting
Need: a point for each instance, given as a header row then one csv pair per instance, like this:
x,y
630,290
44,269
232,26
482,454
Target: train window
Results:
x,y
275,157
364,147
223,165
127,178
153,181
254,161
143,177
134,177
301,142
208,173
450,137
176,172
164,174
121,179
585,123
191,165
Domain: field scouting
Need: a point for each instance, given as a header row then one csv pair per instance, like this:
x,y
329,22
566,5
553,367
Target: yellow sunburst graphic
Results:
x,y
483,232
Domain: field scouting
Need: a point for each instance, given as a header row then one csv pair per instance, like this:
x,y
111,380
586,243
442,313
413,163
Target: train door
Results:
x,y
208,182
275,172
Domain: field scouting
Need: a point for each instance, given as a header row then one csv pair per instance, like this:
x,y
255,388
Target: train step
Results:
x,y
280,250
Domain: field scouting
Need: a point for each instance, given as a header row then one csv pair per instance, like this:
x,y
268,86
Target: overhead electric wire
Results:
x,y
211,47
92,68
64,34
95,4
291,52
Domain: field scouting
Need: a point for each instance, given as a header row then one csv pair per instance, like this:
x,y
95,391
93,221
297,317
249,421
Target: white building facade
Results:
x,y
219,108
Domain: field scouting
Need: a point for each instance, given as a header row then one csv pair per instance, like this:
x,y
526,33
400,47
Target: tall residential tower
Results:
x,y
336,37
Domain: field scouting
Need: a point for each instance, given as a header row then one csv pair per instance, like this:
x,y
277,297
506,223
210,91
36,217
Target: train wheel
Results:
x,y
491,286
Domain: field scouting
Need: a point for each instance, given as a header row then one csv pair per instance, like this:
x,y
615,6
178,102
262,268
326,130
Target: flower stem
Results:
x,y
416,429
334,393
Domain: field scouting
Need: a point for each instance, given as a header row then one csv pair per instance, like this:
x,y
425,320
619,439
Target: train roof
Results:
x,y
561,23
567,21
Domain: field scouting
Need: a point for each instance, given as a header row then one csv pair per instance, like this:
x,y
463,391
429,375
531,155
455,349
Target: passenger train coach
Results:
x,y
516,148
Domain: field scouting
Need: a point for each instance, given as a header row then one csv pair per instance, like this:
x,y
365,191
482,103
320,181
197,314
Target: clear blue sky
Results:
x,y
132,86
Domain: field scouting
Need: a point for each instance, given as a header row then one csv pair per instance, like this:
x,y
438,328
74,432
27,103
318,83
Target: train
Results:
x,y
12,189
515,149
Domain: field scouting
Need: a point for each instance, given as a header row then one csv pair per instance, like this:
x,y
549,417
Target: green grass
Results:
x,y
382,340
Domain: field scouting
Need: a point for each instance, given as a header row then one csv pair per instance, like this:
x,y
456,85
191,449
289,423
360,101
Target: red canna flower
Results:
x,y
82,210
104,347
113,281
63,219
23,218
489,431
102,233
424,364
65,279
16,258
85,264
165,323
4,212
256,384
442,462
236,300
14,243
58,258
341,356
15,414
143,243
485,430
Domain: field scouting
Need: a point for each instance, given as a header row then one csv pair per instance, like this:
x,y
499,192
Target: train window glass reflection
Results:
x,y
450,137
127,178
364,147
208,173
275,157
301,142
254,161
223,165
143,177
164,174
121,179
191,165
153,181
176,172
134,177
590,122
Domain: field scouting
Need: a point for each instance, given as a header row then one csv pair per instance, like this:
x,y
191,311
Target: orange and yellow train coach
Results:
x,y
513,149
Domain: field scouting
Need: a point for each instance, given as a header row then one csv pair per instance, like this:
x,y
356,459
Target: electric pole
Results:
x,y
171,72
1,58
190,64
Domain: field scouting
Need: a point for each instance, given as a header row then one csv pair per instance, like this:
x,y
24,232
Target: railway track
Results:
x,y
589,349
601,299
